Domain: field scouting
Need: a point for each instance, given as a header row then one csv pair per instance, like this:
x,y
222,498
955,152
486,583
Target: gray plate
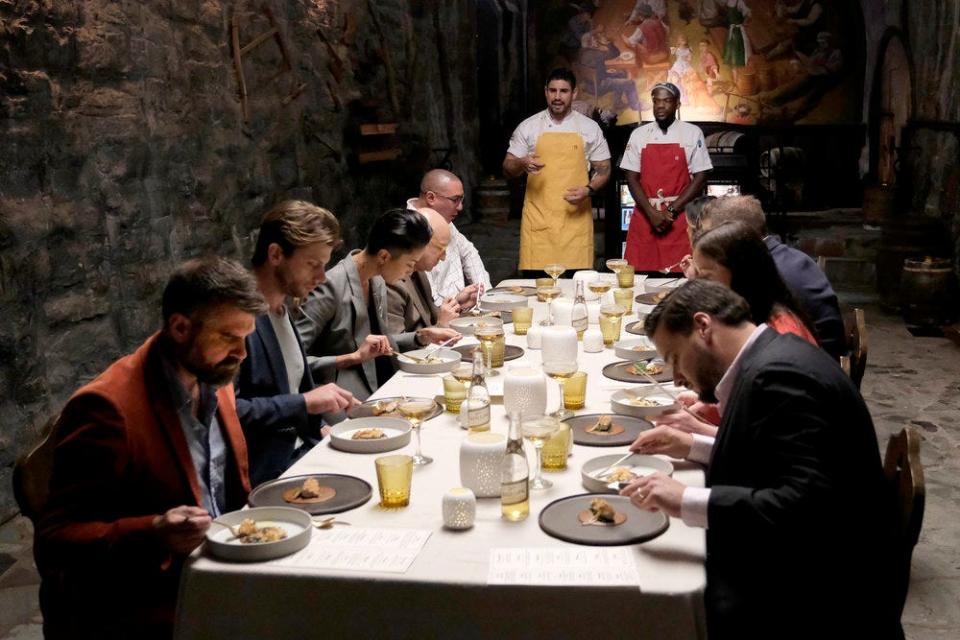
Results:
x,y
654,297
510,352
365,410
222,543
631,429
351,493
623,372
526,291
559,519
636,328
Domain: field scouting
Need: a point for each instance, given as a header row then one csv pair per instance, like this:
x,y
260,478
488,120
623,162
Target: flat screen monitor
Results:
x,y
723,190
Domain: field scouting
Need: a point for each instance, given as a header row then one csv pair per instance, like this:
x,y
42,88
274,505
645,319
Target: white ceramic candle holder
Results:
x,y
592,340
534,335
459,508
559,343
524,391
593,312
480,458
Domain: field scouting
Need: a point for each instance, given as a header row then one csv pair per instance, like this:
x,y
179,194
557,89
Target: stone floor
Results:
x,y
909,381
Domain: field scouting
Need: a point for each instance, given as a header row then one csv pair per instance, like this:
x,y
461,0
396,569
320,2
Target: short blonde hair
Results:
x,y
292,224
745,209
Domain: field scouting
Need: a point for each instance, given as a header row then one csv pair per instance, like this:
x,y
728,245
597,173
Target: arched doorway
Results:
x,y
891,105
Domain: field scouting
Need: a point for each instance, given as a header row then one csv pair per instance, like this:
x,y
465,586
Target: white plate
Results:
x,y
619,402
396,429
296,522
502,301
449,359
637,463
626,349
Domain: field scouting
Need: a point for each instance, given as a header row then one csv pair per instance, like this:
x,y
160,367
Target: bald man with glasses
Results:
x,y
461,273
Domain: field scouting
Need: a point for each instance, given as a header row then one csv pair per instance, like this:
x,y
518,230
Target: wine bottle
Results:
x,y
579,316
514,475
478,407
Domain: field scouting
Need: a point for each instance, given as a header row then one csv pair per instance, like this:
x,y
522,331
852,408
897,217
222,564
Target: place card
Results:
x,y
552,566
360,549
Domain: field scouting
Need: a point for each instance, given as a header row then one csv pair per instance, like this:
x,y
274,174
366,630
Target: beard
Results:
x,y
665,122
217,374
290,287
707,375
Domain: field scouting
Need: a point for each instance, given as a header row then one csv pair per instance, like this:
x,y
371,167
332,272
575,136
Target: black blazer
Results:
x,y
799,518
272,415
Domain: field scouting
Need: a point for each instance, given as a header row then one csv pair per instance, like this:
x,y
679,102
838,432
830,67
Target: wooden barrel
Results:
x,y
905,238
878,203
928,292
747,81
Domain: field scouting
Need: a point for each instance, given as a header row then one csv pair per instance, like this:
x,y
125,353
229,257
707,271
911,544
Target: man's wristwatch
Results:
x,y
672,211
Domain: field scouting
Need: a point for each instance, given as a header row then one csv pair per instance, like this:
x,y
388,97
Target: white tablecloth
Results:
x,y
444,593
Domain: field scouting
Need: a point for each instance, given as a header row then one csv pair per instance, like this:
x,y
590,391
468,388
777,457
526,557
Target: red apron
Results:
x,y
663,167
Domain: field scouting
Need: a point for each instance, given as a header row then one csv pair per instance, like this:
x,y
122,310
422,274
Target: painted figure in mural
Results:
x,y
666,163
649,39
555,148
708,65
803,19
600,80
818,73
737,51
681,65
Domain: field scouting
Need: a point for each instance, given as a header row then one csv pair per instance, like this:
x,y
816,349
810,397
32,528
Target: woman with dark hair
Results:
x,y
342,321
734,255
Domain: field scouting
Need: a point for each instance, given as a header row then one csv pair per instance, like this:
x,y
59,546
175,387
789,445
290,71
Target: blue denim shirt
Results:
x,y
208,450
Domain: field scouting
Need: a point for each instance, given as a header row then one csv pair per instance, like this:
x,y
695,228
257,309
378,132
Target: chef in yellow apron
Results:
x,y
556,148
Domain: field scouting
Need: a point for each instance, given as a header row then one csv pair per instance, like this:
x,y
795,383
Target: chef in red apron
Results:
x,y
666,163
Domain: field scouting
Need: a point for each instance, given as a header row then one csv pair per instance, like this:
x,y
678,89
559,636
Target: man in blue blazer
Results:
x,y
799,271
277,402
798,515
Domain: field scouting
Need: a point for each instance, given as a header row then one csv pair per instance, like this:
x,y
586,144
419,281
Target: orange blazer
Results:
x,y
121,459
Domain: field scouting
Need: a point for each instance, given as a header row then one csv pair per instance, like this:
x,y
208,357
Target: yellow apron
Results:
x,y
552,229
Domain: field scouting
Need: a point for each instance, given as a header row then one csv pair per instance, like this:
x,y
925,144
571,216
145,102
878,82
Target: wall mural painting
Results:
x,y
738,61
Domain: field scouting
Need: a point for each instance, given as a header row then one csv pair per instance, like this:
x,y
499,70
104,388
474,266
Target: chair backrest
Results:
x,y
856,331
31,474
904,472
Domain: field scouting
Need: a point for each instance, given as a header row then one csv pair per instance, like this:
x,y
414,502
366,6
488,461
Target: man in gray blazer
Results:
x,y
410,304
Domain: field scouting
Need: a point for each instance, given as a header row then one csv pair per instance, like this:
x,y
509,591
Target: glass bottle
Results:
x,y
579,316
514,475
478,398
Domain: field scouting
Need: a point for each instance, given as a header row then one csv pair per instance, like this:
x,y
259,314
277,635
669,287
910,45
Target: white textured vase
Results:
x,y
559,343
480,458
587,276
562,309
534,334
459,508
524,391
593,312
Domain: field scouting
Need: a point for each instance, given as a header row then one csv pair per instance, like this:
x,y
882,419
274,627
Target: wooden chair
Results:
x,y
31,474
904,472
856,331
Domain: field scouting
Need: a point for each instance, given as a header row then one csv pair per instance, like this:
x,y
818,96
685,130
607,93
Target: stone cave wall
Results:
x,y
124,150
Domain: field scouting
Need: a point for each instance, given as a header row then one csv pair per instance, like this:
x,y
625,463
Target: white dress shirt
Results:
x,y
461,266
694,502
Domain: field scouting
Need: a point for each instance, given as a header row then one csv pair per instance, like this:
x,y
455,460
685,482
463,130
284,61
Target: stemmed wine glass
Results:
x,y
414,409
538,430
560,370
549,294
555,270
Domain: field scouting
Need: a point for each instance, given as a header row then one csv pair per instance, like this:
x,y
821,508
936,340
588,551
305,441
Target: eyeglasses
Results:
x,y
453,199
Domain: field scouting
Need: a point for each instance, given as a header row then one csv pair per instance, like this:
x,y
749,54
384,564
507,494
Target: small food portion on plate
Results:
x,y
250,533
601,514
384,408
649,367
620,474
310,492
604,426
368,434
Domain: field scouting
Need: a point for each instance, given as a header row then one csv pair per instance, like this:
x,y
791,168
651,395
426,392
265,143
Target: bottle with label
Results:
x,y
514,476
579,316
475,410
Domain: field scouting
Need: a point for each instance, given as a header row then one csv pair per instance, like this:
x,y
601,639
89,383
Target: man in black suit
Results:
x,y
796,509
277,401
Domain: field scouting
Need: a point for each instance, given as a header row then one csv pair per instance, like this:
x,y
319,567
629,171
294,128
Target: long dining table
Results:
x,y
445,591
